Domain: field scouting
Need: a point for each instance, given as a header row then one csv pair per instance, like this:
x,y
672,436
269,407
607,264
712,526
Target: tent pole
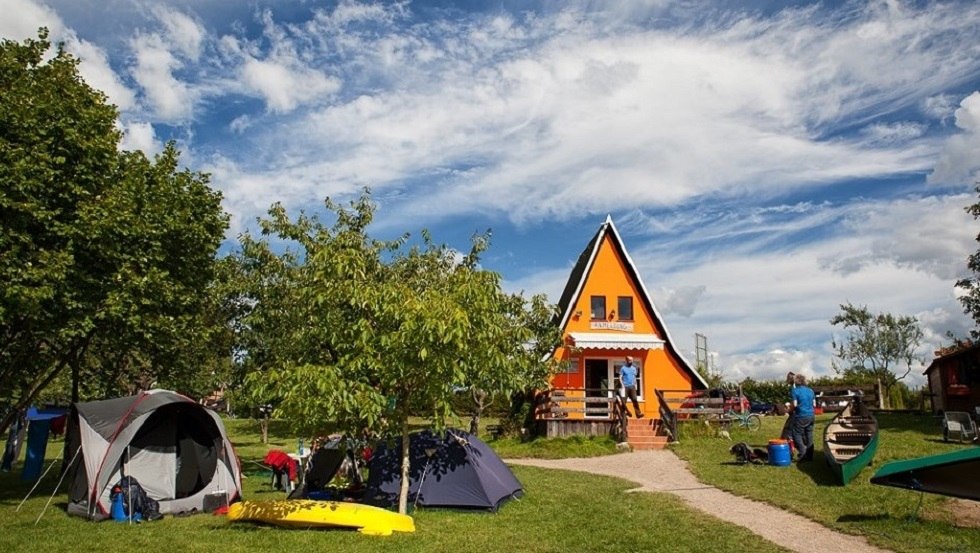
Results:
x,y
129,484
421,481
36,484
58,485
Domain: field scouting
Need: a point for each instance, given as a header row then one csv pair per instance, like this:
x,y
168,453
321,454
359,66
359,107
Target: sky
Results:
x,y
764,161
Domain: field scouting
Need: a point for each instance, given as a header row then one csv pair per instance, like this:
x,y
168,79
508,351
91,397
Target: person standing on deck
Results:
x,y
803,403
627,376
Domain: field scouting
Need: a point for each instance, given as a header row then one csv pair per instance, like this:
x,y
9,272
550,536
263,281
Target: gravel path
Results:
x,y
662,471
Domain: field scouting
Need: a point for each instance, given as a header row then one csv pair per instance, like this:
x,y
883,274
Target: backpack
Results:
x,y
134,496
745,454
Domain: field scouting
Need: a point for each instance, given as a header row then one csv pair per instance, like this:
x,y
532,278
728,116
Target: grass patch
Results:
x,y
561,511
554,448
889,517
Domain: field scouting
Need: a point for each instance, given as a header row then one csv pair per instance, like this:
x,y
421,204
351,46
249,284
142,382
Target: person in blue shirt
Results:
x,y
803,403
627,376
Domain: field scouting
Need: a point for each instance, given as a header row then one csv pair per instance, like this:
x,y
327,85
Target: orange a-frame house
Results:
x,y
605,314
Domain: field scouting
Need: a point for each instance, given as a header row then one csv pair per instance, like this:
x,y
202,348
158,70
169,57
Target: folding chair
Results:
x,y
960,425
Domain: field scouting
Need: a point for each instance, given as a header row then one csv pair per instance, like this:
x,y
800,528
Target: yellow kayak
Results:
x,y
306,513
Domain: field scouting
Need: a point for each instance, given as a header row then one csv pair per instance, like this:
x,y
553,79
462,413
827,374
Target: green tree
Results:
x,y
105,255
388,330
971,284
876,346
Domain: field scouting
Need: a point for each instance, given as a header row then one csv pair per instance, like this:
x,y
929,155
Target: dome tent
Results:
x,y
454,469
174,447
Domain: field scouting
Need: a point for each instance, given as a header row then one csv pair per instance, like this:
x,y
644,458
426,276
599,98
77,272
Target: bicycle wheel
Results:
x,y
753,422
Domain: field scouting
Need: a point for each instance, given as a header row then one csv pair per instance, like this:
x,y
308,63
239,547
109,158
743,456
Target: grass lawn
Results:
x,y
889,517
562,511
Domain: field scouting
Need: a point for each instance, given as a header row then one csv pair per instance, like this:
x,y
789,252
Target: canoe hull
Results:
x,y
304,513
953,474
850,441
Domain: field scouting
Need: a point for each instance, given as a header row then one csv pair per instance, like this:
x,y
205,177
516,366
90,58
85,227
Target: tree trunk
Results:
x,y
479,404
406,462
264,426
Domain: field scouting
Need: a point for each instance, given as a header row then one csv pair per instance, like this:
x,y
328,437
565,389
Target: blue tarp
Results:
x,y
38,428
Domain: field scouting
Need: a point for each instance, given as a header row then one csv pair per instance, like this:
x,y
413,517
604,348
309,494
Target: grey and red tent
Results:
x,y
174,447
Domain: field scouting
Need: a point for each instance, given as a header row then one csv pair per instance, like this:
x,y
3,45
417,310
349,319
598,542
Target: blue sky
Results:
x,y
763,163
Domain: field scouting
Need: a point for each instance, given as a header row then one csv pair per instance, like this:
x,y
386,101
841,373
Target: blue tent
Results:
x,y
454,469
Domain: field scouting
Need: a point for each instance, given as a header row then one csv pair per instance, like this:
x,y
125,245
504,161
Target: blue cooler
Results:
x,y
779,454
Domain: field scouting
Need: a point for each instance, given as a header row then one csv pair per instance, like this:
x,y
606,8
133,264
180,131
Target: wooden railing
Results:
x,y
678,405
560,402
593,403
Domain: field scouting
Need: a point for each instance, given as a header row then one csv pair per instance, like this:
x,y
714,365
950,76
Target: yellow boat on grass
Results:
x,y
306,513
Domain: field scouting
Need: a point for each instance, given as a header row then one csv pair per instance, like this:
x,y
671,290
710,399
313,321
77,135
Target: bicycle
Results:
x,y
751,421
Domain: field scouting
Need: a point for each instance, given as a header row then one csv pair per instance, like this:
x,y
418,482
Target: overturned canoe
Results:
x,y
304,513
953,474
850,441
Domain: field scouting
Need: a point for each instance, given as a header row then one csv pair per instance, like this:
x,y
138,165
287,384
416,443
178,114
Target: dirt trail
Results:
x,y
662,471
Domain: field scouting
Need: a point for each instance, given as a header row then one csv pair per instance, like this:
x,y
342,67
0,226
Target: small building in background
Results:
x,y
954,379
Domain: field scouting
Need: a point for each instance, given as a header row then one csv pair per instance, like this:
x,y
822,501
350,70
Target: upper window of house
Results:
x,y
624,308
598,308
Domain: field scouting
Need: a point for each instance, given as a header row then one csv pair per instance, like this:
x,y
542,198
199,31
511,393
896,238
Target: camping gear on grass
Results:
x,y
454,469
285,469
305,513
176,448
779,453
953,474
850,440
334,456
130,502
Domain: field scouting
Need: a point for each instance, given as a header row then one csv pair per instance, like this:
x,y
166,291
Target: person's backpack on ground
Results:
x,y
136,504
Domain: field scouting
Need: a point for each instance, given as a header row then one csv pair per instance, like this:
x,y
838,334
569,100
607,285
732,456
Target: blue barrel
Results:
x,y
779,454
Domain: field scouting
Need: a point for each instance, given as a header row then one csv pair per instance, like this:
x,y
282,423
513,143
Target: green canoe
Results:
x,y
850,441
953,474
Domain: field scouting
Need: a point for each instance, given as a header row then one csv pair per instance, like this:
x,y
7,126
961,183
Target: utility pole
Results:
x,y
701,358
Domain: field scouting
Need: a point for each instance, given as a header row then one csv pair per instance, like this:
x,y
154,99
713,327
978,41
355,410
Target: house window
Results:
x,y
624,308
598,308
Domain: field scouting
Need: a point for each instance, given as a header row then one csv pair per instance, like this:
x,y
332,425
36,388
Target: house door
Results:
x,y
598,380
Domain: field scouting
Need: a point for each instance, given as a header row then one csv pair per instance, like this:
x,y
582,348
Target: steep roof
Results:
x,y
960,352
580,273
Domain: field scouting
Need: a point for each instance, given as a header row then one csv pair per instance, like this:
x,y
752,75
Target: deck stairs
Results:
x,y
645,434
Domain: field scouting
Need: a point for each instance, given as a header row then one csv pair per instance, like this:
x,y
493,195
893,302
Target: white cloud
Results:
x,y
30,16
170,99
959,161
96,71
186,34
239,124
894,132
286,84
140,136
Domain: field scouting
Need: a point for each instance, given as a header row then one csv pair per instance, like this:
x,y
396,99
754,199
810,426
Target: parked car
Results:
x,y
762,407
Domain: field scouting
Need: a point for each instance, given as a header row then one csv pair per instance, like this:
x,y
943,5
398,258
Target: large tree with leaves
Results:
x,y
876,347
384,329
105,255
971,284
